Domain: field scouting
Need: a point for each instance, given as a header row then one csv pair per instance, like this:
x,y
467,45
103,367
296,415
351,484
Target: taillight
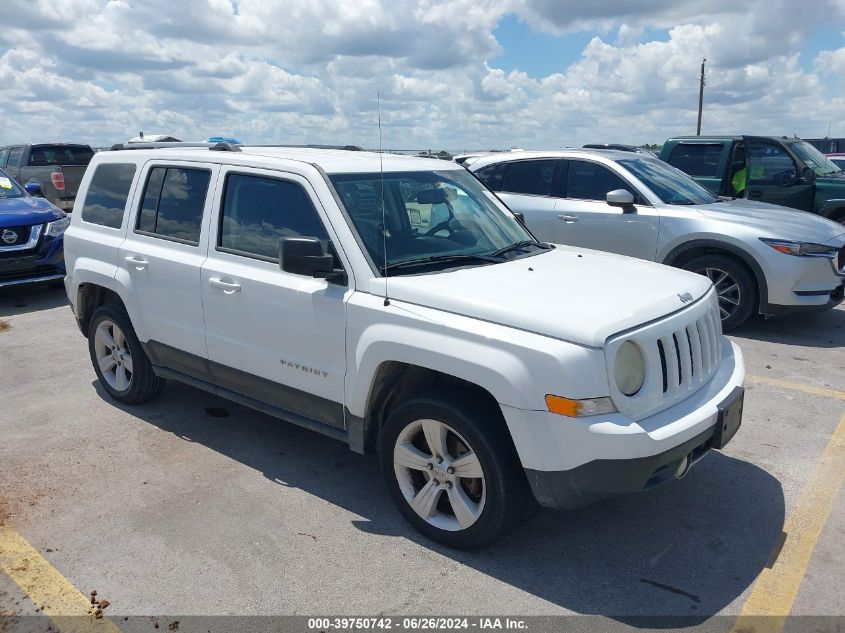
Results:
x,y
58,179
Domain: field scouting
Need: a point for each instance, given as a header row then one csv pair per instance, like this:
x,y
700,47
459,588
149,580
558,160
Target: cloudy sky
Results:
x,y
459,74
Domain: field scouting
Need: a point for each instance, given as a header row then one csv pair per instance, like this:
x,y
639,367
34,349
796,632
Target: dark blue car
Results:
x,y
31,236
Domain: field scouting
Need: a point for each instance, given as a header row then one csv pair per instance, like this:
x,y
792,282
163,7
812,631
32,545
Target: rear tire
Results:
x,y
452,469
734,284
122,367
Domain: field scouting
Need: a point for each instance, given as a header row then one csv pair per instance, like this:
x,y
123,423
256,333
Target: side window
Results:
x,y
591,181
697,159
173,202
15,156
257,211
105,202
492,175
769,164
532,177
4,154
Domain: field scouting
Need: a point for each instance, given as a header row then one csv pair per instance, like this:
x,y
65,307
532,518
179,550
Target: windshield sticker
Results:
x,y
5,183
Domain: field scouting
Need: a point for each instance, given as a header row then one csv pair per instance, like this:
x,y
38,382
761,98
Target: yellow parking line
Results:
x,y
816,391
776,589
47,588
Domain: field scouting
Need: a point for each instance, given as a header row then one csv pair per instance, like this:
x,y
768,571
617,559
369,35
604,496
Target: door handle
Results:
x,y
138,262
228,287
755,193
569,219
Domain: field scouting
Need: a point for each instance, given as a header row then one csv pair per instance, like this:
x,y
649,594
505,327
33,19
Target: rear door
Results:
x,y
583,217
161,259
273,336
526,186
773,175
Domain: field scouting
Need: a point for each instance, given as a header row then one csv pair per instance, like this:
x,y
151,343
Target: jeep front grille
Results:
x,y
682,352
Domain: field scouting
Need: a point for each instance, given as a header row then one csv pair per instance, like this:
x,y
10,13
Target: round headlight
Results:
x,y
629,368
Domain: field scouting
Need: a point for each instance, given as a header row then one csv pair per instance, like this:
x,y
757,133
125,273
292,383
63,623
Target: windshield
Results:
x,y
430,216
8,187
814,159
671,185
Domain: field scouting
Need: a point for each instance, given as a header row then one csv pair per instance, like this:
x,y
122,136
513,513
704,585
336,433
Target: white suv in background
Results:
x,y
761,257
403,310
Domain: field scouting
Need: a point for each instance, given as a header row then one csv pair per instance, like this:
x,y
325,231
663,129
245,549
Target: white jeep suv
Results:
x,y
761,257
394,304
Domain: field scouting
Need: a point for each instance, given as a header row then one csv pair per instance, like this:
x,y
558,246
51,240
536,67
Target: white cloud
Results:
x,y
309,71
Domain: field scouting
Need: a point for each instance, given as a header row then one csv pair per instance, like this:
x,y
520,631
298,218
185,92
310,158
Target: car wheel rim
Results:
x,y
439,475
727,289
113,356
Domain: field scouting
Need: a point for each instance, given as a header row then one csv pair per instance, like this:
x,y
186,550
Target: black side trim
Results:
x,y
278,395
287,416
286,400
747,259
162,355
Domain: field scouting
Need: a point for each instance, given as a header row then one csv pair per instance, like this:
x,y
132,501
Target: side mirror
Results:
x,y
520,217
305,256
34,189
621,198
807,177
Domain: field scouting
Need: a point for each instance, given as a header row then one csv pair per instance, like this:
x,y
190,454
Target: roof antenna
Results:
x,y
383,212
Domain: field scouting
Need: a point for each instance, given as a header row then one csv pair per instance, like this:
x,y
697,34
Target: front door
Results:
x,y
583,217
273,336
773,175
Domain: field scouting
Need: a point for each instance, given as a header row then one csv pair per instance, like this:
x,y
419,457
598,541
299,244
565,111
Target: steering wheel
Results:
x,y
445,225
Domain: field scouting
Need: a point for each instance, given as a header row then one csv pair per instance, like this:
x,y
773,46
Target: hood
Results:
x,y
27,210
774,220
568,293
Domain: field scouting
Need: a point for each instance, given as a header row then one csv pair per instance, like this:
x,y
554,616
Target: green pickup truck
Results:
x,y
778,170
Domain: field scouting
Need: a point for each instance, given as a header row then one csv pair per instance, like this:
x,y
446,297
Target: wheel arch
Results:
x,y
395,381
89,297
683,253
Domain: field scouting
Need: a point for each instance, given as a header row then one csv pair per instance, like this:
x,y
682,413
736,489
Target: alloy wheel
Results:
x,y
439,475
113,355
727,289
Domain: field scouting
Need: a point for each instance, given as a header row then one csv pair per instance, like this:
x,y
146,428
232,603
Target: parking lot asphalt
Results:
x,y
194,505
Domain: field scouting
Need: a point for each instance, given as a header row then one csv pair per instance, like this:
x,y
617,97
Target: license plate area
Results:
x,y
729,418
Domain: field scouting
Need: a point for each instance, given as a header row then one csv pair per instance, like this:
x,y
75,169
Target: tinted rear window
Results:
x,y
48,155
173,203
697,159
105,201
533,177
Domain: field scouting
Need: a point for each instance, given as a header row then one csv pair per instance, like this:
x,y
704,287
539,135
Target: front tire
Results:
x,y
735,287
451,468
120,363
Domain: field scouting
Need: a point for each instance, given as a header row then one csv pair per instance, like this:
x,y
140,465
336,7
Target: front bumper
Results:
x,y
571,462
810,302
42,264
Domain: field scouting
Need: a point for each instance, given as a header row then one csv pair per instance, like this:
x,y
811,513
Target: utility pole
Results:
x,y
701,83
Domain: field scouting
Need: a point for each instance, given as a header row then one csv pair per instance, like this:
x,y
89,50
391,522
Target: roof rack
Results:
x,y
161,145
348,148
225,147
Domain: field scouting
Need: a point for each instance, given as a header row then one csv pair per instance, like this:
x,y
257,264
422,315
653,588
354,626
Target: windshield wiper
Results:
x,y
437,259
518,245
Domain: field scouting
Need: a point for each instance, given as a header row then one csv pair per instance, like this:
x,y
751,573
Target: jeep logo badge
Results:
x,y
10,237
685,297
